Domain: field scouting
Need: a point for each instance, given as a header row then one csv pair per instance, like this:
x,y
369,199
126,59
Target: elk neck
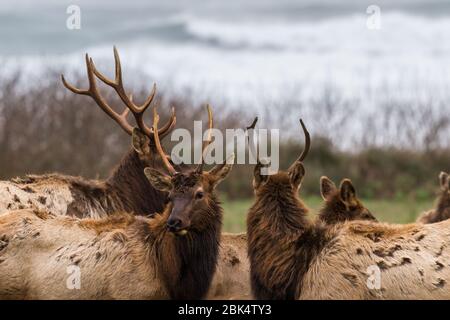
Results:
x,y
443,206
282,242
132,189
186,264
281,209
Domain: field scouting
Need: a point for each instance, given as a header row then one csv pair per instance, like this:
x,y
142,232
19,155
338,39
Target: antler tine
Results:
x,y
158,144
117,85
139,115
210,126
307,142
121,119
169,125
206,143
251,145
253,125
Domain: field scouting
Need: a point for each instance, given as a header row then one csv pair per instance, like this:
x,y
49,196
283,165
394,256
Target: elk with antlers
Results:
x,y
274,222
292,257
126,189
171,255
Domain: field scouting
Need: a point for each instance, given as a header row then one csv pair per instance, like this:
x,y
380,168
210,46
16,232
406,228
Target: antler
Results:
x,y
251,145
206,143
159,148
117,85
307,142
121,119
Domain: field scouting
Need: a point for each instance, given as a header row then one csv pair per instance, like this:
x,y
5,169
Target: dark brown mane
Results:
x,y
277,197
443,207
132,189
282,241
187,264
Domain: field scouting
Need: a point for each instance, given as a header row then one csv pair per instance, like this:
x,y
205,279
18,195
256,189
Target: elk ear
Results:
x,y
296,174
327,188
348,193
444,181
140,142
258,177
159,180
221,171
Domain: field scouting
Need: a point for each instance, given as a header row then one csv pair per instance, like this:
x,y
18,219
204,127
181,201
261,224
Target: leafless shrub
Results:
x,y
387,145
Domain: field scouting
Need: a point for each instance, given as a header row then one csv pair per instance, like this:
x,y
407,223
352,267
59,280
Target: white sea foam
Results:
x,y
275,62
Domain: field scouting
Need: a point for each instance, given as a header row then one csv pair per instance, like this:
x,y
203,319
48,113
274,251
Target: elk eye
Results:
x,y
199,195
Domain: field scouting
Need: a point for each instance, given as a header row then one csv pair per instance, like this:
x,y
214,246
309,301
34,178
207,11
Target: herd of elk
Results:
x,y
126,189
292,257
122,256
152,230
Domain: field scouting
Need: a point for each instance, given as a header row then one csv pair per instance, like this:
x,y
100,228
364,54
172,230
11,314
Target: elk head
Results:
x,y
289,180
192,202
142,135
444,181
341,204
443,203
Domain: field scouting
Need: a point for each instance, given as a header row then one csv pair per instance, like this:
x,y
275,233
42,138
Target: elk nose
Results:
x,y
174,224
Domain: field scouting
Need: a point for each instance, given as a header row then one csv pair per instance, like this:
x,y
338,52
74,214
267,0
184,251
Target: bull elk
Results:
x,y
274,223
122,256
126,189
442,210
292,257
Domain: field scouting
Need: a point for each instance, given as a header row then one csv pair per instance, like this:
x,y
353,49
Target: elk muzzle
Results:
x,y
179,220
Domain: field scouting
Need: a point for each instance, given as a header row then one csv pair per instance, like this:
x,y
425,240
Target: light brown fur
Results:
x,y
114,264
126,189
413,259
232,278
118,257
51,194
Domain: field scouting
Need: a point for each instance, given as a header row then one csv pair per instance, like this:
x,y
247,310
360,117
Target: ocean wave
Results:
x,y
410,55
398,31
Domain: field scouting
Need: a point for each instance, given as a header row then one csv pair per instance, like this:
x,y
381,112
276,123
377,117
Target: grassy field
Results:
x,y
396,211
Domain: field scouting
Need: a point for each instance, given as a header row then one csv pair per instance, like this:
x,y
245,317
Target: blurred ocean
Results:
x,y
242,52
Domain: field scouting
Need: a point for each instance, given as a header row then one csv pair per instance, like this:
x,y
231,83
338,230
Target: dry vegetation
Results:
x,y
45,128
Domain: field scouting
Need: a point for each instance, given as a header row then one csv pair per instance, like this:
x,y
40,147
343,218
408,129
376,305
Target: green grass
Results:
x,y
393,210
